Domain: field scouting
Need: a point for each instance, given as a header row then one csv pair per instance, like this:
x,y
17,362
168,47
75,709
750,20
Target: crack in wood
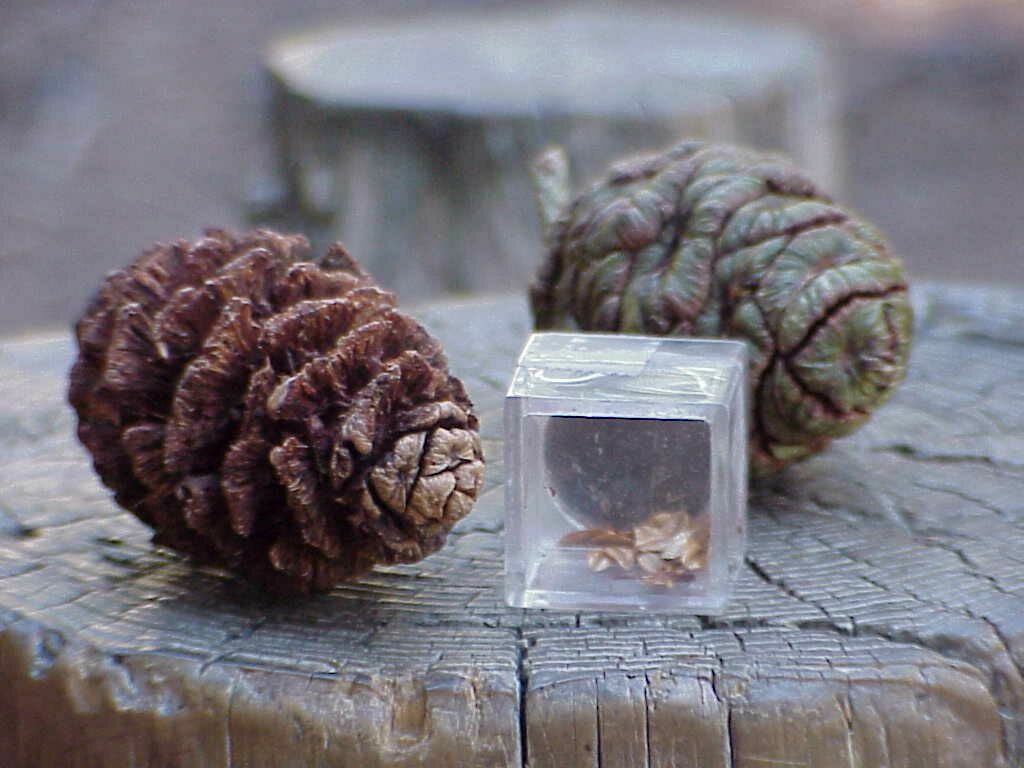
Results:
x,y
523,687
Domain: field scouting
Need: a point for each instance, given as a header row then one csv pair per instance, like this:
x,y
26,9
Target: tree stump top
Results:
x,y
879,620
575,60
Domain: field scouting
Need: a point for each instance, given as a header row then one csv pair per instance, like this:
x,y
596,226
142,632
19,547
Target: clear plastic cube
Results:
x,y
626,461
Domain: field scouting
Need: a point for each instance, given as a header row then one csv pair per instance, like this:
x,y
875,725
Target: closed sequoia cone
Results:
x,y
274,416
713,240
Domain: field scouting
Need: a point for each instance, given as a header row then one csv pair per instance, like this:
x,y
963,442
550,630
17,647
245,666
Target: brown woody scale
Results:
x,y
277,417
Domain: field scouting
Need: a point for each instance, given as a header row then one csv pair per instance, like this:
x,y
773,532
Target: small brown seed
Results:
x,y
598,561
662,579
656,529
650,562
624,557
673,548
694,555
596,537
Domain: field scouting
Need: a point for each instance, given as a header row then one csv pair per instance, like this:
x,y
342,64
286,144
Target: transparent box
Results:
x,y
626,467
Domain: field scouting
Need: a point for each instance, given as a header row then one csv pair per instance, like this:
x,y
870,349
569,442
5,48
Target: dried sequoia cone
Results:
x,y
277,417
712,240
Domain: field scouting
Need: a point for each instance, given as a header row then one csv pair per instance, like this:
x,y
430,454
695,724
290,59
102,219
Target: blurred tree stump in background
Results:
x,y
121,126
410,140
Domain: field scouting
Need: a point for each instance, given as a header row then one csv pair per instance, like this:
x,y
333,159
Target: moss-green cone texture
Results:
x,y
713,240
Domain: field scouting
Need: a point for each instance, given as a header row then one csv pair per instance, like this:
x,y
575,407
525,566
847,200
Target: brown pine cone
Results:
x,y
277,417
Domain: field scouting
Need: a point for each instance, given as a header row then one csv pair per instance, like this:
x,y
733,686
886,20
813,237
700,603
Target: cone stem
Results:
x,y
550,174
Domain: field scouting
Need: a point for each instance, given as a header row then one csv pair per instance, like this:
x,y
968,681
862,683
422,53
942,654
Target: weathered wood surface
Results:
x,y
880,620
410,138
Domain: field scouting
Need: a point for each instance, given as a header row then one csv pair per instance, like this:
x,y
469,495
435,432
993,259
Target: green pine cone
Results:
x,y
713,240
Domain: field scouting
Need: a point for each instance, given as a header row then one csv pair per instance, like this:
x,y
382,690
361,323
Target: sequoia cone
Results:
x,y
712,240
277,417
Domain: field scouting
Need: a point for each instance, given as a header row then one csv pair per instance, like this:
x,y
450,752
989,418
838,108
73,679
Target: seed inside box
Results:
x,y
626,461
665,548
647,518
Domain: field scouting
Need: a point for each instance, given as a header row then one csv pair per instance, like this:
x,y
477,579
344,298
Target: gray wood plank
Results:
x,y
879,620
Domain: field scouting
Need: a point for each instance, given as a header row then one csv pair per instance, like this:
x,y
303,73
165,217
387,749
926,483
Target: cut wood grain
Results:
x,y
879,620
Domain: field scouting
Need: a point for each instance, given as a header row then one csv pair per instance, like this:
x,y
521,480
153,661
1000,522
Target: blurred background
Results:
x,y
123,123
